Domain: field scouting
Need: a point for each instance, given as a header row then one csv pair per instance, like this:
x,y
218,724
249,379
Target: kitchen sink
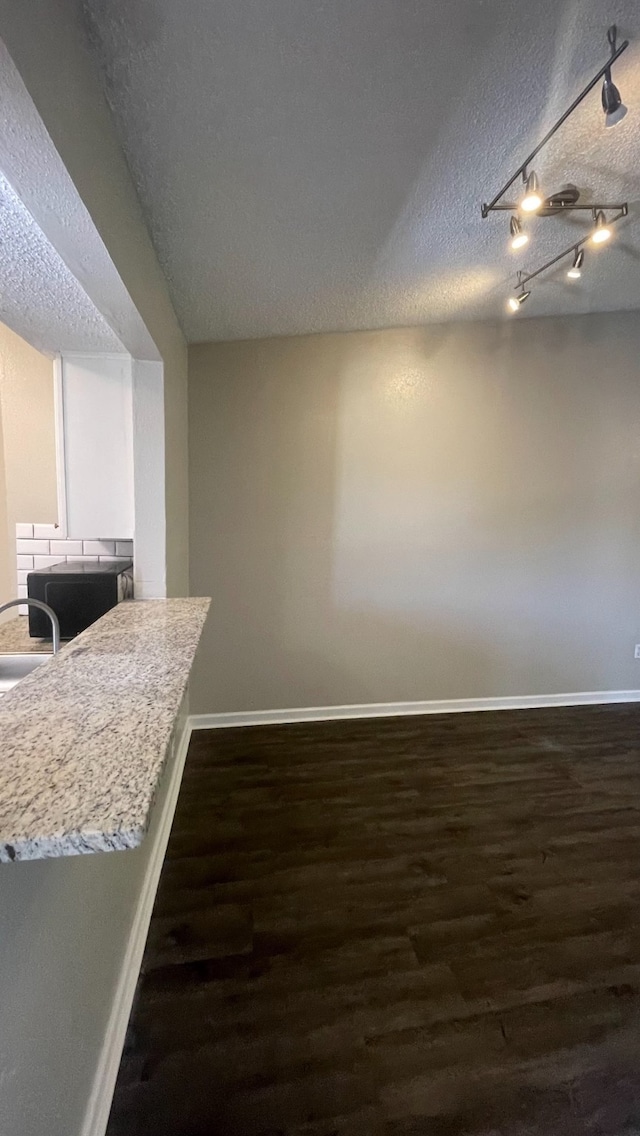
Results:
x,y
15,667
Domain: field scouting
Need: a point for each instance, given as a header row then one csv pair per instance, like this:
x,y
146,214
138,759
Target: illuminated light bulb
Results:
x,y
518,236
602,232
532,198
575,272
514,302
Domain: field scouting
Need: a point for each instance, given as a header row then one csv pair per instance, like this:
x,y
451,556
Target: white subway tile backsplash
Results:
x,y
66,547
24,531
22,591
34,547
84,559
22,578
99,547
108,559
24,562
124,548
47,561
46,532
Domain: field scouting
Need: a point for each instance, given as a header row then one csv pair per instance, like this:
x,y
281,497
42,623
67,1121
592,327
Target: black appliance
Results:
x,y
78,592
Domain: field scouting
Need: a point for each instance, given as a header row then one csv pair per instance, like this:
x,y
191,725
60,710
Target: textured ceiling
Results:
x,y
40,299
54,306
314,165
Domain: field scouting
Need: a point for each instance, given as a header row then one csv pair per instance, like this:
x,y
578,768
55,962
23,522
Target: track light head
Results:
x,y
532,198
602,232
612,104
575,272
514,302
518,236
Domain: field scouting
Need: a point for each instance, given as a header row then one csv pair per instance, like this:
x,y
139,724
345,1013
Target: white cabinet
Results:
x,y
95,446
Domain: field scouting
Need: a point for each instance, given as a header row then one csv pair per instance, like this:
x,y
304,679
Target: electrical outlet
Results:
x,y
636,653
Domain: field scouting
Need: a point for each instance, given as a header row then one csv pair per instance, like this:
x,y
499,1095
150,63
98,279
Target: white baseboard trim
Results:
x,y
401,709
99,1106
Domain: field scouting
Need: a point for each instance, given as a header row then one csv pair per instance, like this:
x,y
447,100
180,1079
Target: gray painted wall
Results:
x,y
410,514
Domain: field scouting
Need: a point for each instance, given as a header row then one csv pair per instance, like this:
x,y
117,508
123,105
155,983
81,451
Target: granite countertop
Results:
x,y
85,738
15,639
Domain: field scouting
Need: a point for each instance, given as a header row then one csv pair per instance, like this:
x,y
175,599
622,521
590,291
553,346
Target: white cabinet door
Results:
x,y
95,403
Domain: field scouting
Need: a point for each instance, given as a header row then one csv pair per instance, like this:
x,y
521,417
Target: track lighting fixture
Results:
x,y
605,213
602,232
575,272
532,199
614,110
612,105
518,236
514,302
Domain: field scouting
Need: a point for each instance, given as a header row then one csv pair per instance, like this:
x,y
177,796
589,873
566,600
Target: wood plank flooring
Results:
x,y
397,927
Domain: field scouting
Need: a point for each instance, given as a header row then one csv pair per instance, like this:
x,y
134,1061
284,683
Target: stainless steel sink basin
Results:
x,y
15,667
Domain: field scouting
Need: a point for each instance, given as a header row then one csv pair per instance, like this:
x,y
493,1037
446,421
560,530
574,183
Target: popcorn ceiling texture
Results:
x,y
41,299
34,168
320,166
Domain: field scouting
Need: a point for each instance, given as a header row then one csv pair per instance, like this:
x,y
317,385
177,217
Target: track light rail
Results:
x,y
552,210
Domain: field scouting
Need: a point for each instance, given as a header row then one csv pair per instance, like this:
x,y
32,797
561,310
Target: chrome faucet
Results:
x,y
55,626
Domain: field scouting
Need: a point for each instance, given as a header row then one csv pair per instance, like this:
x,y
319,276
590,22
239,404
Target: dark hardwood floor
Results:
x,y
397,927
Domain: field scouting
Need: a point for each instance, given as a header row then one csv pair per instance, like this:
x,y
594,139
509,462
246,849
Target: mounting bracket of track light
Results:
x,y
614,111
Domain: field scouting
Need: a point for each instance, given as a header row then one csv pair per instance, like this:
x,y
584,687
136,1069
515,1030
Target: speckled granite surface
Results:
x,y
15,639
85,738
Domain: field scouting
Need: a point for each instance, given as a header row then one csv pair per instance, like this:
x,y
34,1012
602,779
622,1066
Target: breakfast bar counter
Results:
x,y
85,738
